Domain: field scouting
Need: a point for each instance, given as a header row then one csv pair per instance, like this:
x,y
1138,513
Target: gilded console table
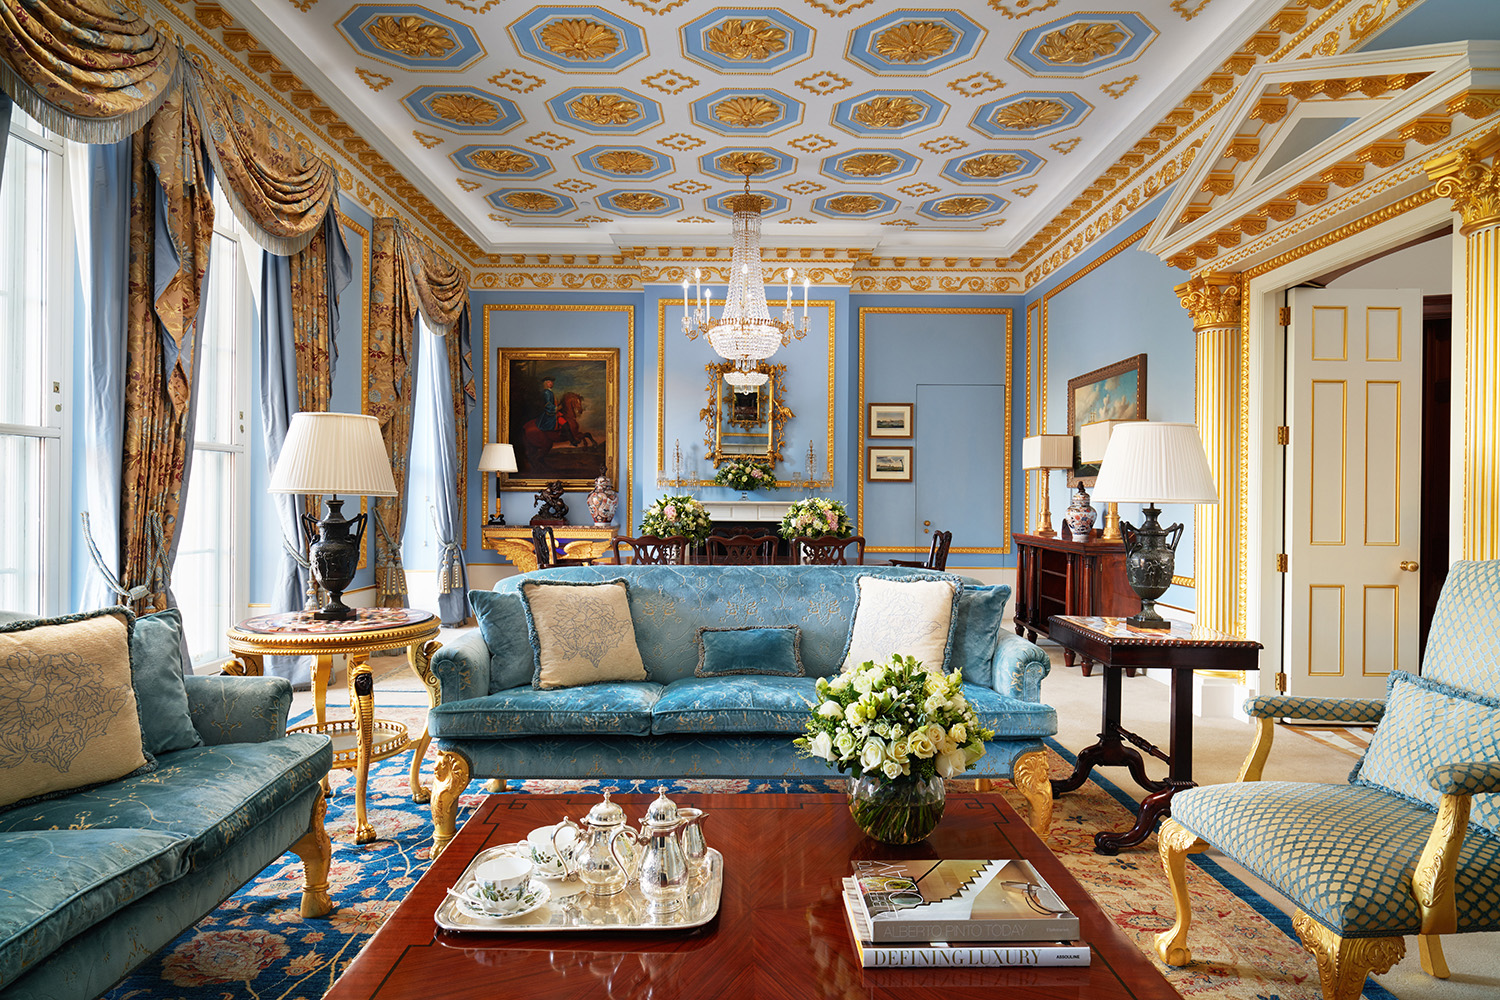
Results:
x,y
580,541
357,741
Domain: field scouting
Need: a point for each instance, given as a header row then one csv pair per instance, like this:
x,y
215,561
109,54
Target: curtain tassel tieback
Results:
x,y
450,566
158,576
390,581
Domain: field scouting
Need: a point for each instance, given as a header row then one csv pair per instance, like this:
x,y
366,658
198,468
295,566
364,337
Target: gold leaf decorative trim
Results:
x,y
823,83
517,81
669,81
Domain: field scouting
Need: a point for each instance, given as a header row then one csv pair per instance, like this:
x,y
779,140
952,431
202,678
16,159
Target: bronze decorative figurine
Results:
x,y
550,500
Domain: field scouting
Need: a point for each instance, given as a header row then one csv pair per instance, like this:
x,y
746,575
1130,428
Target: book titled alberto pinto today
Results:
x,y
960,901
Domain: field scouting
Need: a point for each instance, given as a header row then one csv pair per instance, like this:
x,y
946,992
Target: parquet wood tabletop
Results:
x,y
780,932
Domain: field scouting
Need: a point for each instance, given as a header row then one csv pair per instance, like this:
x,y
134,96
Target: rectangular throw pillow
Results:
x,y
68,715
582,633
774,651
156,673
910,617
502,623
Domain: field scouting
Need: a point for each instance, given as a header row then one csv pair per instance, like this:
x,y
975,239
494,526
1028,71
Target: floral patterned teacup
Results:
x,y
545,842
500,883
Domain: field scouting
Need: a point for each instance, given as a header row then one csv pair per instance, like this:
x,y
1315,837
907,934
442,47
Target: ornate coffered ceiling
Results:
x,y
930,129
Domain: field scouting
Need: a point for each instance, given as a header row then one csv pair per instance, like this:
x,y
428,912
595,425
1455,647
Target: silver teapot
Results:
x,y
595,862
664,873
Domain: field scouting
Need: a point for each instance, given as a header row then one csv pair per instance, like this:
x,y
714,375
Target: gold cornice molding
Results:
x,y
1470,178
1213,300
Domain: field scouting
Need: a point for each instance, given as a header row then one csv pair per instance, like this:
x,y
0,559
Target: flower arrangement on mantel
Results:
x,y
816,516
668,516
746,474
899,725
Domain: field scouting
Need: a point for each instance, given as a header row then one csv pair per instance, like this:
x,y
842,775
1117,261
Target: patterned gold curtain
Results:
x,y
91,70
389,395
277,188
312,329
170,204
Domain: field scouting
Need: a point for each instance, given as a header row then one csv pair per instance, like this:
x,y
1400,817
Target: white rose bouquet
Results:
x,y
816,516
668,516
746,474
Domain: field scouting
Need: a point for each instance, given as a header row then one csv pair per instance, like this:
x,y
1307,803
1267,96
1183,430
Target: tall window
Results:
x,y
34,318
210,576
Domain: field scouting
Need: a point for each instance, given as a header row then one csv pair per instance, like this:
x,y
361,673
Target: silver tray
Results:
x,y
573,909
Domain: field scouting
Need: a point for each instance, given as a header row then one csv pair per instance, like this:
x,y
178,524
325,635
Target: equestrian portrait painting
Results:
x,y
558,408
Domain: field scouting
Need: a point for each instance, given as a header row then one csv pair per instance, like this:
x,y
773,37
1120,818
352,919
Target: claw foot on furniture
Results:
x,y
1029,775
1175,843
450,776
316,852
421,665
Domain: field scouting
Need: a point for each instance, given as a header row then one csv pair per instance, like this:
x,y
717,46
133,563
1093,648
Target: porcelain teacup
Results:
x,y
500,884
544,843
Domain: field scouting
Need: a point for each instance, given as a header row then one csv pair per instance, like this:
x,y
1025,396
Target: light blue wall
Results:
x,y
1440,21
1123,307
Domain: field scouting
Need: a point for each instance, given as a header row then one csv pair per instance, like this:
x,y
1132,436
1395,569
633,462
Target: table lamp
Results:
x,y
327,454
1046,452
498,458
1093,439
1148,462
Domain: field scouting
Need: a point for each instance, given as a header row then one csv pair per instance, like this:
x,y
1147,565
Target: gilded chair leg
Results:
x,y
1434,963
420,658
495,785
450,776
316,852
1174,843
983,785
1030,776
1343,963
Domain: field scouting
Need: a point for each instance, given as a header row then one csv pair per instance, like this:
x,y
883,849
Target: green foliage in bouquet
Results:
x,y
668,516
816,516
746,474
894,720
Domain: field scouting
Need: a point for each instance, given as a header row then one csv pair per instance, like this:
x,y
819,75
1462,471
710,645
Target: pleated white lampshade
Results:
x,y
497,458
1047,451
1151,462
330,453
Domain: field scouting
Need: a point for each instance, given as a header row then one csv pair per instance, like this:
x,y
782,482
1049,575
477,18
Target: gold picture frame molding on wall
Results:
x,y
888,463
876,412
628,312
1085,474
506,359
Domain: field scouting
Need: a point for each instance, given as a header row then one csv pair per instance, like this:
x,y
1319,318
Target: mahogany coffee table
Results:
x,y
780,932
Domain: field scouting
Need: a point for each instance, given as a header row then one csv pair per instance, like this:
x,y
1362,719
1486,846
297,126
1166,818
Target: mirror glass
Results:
x,y
744,422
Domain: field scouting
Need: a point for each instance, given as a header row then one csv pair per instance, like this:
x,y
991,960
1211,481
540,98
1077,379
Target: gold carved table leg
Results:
x,y
245,665
322,674
362,703
421,664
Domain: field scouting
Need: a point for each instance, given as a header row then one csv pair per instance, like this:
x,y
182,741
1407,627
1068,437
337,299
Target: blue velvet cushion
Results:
x,y
610,708
1010,717
211,795
976,636
156,675
60,882
774,651
1426,725
1343,853
502,622
735,705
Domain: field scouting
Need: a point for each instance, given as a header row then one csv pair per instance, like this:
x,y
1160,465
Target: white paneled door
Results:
x,y
1354,517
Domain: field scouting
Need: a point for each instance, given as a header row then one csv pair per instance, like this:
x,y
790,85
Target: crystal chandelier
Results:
x,y
744,333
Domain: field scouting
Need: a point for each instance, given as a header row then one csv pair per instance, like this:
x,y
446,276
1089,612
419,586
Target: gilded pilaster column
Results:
x,y
1213,300
1469,177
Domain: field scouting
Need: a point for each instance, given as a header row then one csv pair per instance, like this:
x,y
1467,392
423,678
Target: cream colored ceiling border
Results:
x,y
859,463
661,383
491,429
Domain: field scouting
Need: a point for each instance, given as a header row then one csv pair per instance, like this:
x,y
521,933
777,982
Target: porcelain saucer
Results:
x,y
536,896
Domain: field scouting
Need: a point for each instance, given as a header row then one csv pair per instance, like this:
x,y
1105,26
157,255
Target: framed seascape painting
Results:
x,y
888,465
558,408
891,420
1114,392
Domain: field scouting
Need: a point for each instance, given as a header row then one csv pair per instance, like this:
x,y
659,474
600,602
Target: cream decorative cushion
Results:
x,y
68,715
581,633
910,617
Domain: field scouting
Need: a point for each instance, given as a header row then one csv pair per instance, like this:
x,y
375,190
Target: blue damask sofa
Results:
x,y
95,881
490,722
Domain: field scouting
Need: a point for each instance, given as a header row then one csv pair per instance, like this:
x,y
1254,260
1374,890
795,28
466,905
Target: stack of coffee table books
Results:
x,y
936,914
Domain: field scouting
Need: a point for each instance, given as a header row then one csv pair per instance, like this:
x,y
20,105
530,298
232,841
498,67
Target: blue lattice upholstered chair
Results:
x,y
1411,845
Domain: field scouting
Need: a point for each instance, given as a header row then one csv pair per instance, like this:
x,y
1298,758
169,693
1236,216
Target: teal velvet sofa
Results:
x,y
94,881
490,722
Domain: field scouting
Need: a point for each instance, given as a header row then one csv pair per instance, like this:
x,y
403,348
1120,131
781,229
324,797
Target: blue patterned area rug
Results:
x,y
256,946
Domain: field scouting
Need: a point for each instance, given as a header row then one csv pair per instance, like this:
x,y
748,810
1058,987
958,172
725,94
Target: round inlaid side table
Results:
x,y
357,741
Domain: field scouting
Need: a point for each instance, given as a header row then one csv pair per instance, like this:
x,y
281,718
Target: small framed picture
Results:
x,y
888,464
891,420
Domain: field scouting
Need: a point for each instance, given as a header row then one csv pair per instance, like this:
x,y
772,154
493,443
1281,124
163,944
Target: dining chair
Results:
x,y
741,550
652,550
544,544
828,550
937,556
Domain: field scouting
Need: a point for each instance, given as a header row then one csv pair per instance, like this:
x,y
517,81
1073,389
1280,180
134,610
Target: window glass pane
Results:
x,y
204,568
216,352
22,252
21,512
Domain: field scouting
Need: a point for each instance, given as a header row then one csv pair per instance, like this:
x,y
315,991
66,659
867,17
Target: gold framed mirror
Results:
x,y
742,422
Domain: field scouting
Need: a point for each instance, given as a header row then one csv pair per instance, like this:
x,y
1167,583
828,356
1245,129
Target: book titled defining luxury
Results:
x,y
960,902
942,955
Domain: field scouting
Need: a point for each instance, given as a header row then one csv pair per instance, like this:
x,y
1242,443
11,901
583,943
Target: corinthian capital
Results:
x,y
1471,179
1213,300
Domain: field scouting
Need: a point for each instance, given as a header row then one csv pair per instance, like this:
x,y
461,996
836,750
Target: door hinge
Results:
x,y
1281,561
1281,683
1284,316
1283,435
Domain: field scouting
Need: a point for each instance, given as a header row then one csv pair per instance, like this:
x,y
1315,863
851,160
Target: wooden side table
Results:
x,y
357,741
513,542
1117,647
1076,577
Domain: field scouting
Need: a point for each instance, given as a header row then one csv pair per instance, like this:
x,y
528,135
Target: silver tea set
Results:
x,y
664,855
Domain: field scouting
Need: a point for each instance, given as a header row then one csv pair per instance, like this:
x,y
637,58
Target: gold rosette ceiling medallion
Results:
x,y
744,333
